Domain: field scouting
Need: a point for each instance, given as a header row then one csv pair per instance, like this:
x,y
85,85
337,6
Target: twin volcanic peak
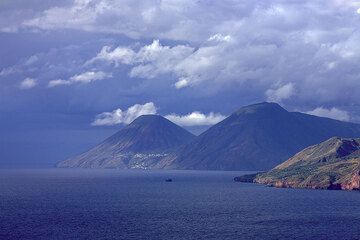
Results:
x,y
256,137
141,144
333,164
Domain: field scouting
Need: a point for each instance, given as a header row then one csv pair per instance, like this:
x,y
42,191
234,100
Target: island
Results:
x,y
333,164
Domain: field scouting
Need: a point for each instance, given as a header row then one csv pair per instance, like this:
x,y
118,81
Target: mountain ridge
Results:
x,y
139,145
332,164
256,137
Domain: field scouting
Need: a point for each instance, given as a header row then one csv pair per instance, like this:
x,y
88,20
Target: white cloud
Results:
x,y
184,19
181,83
220,38
188,65
31,60
7,71
82,14
333,113
86,77
196,119
168,19
307,44
120,55
58,82
119,116
312,45
149,61
28,83
280,93
156,59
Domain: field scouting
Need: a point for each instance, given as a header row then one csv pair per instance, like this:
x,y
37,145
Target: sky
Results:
x,y
74,72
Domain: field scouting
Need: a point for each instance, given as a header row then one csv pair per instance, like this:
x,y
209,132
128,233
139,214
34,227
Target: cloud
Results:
x,y
181,83
260,48
10,29
28,83
196,119
86,77
177,20
58,82
183,20
333,113
156,59
119,55
306,44
31,60
149,61
119,116
7,71
188,65
280,93
220,38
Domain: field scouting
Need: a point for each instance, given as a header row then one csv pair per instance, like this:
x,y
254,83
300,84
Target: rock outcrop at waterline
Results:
x,y
333,164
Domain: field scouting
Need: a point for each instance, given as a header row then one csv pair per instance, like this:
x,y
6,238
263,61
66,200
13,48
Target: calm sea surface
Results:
x,y
114,204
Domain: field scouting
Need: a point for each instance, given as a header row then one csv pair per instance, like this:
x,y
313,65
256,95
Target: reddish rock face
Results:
x,y
354,184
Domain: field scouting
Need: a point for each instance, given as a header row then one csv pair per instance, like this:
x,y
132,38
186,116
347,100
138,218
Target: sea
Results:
x,y
139,204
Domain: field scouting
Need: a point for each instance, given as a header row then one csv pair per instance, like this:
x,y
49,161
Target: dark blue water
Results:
x,y
111,204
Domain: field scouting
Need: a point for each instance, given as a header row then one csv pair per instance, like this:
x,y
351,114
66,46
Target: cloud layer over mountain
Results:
x,y
119,116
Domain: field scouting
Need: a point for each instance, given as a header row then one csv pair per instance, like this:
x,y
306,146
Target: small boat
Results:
x,y
168,180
